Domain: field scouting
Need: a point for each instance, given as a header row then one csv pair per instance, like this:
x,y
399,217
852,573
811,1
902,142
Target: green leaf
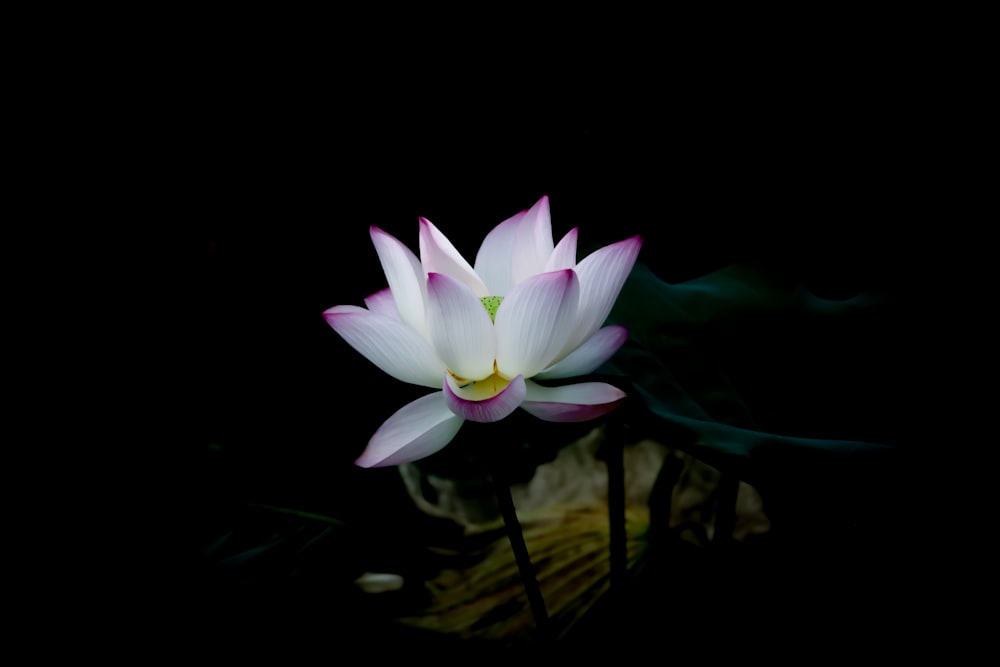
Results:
x,y
299,513
736,365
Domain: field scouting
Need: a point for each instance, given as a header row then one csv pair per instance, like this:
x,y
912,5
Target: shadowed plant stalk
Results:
x,y
614,452
505,501
614,447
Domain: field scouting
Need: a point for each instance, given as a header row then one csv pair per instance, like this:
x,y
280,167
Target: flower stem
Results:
x,y
615,460
506,502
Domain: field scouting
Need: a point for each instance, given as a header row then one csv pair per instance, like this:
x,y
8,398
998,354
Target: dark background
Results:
x,y
260,179
277,189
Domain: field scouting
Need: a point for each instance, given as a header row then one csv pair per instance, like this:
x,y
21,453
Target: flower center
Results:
x,y
492,384
491,303
482,389
465,382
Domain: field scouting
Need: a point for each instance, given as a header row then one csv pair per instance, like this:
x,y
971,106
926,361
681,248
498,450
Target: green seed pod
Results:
x,y
491,303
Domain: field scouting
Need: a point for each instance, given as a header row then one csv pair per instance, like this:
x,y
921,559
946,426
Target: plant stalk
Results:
x,y
534,592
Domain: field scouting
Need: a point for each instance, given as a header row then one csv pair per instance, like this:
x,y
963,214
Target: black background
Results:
x,y
256,179
279,188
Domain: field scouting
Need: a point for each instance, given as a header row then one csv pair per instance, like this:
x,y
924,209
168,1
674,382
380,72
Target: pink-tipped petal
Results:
x,y
533,241
590,355
415,431
383,303
534,322
572,402
388,343
602,274
438,255
460,328
405,277
564,254
469,402
495,259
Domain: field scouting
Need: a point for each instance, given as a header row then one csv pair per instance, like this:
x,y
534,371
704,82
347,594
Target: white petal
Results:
x,y
533,241
415,431
572,402
590,355
405,276
383,303
564,254
495,259
489,403
460,327
534,322
379,582
388,343
602,274
438,255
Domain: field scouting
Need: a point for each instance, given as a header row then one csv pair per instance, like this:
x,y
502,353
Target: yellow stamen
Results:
x,y
488,387
462,380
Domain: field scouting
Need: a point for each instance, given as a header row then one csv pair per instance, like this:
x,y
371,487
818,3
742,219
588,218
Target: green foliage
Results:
x,y
713,360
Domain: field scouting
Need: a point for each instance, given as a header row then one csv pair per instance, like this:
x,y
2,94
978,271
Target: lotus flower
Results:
x,y
481,335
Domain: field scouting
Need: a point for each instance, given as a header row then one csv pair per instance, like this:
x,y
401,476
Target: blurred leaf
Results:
x,y
569,547
705,356
300,513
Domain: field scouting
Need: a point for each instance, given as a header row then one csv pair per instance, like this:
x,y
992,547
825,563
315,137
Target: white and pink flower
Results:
x,y
481,334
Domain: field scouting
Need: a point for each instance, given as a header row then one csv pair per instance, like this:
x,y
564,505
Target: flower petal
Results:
x,y
572,402
415,431
460,328
405,276
534,321
495,259
467,402
564,254
590,355
533,241
602,274
383,303
438,255
388,343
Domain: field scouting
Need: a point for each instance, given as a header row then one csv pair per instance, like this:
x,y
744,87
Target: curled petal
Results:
x,y
438,255
415,431
388,343
460,327
489,400
383,303
602,274
564,254
495,259
405,276
532,242
572,402
534,322
589,355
